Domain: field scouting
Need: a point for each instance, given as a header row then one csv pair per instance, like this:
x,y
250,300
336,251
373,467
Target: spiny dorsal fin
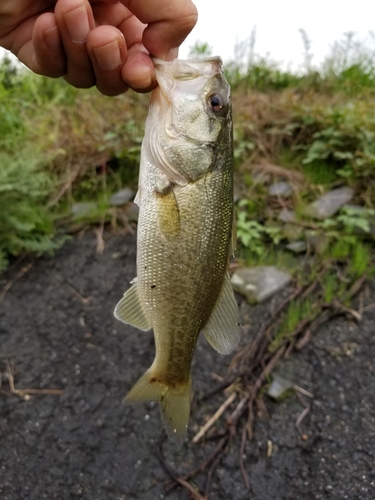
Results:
x,y
130,309
222,330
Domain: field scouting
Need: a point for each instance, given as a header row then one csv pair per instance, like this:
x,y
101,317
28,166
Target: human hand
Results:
x,y
104,43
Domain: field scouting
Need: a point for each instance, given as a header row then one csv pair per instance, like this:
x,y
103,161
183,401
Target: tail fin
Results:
x,y
174,403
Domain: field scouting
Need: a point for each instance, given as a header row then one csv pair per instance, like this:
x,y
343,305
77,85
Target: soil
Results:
x,y
57,331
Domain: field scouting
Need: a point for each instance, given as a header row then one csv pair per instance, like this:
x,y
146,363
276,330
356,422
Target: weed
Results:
x,y
252,234
329,286
297,311
360,262
319,123
26,225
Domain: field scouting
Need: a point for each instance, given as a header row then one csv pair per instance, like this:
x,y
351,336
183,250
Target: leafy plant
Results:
x,y
26,224
253,235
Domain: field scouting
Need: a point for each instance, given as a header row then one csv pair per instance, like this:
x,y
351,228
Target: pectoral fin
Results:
x,y
130,309
222,330
168,214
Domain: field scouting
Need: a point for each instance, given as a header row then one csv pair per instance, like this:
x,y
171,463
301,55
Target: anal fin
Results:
x,y
130,309
222,329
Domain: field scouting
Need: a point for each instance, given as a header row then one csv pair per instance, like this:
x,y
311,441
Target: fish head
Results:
x,y
190,116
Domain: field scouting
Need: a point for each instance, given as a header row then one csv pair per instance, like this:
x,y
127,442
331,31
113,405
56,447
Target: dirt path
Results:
x,y
58,332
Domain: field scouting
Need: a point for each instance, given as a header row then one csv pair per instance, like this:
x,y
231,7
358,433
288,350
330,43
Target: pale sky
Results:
x,y
277,25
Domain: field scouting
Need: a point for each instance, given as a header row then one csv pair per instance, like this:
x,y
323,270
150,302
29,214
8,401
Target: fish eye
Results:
x,y
216,103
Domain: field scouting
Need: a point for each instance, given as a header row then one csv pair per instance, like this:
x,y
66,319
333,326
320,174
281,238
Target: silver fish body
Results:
x,y
184,232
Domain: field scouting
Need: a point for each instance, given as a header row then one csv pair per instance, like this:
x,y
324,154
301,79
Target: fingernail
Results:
x,y
77,24
108,57
52,39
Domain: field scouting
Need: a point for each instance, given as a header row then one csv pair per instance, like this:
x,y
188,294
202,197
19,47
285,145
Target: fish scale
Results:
x,y
184,232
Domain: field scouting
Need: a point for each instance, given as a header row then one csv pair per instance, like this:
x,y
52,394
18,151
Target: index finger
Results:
x,y
168,23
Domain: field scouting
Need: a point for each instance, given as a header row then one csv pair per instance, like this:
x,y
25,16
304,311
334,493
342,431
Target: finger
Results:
x,y
139,71
36,43
49,56
75,22
107,49
169,23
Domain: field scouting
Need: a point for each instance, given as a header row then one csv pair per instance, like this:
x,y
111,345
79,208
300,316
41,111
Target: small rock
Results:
x,y
282,189
259,283
287,215
297,246
83,209
328,204
121,197
279,386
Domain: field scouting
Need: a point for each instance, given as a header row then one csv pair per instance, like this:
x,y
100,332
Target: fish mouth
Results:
x,y
193,61
189,69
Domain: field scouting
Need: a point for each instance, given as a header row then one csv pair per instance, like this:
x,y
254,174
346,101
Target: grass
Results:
x,y
59,145
318,126
297,311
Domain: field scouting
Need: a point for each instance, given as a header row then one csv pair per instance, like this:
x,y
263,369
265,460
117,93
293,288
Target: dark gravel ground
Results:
x,y
57,328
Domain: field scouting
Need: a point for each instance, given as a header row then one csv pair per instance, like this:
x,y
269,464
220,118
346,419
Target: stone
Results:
x,y
279,386
282,189
121,197
297,246
287,215
328,204
259,283
83,209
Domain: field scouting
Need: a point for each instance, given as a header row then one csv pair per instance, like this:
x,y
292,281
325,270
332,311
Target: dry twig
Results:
x,y
100,243
214,417
301,417
26,392
242,452
11,282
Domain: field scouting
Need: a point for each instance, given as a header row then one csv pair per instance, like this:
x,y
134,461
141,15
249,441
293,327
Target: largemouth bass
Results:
x,y
185,224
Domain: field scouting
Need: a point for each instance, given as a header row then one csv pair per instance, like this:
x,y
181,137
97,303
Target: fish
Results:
x,y
185,232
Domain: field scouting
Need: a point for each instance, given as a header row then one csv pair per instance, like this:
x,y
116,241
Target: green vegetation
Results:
x,y
297,311
25,221
315,130
59,145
